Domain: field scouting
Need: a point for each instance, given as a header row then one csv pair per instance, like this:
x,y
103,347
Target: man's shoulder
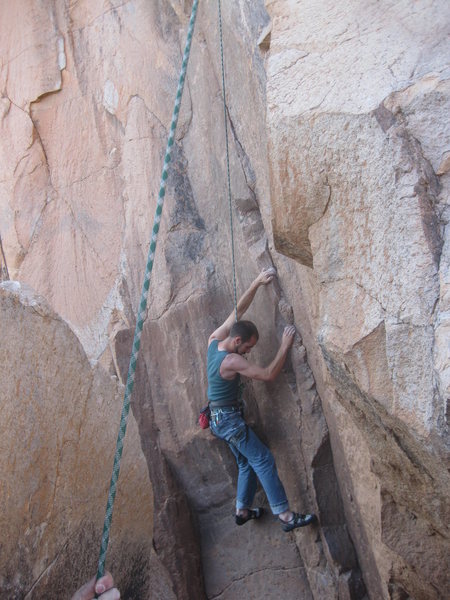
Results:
x,y
231,365
213,342
233,359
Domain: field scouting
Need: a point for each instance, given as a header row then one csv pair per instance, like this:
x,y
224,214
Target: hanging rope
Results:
x,y
143,303
228,162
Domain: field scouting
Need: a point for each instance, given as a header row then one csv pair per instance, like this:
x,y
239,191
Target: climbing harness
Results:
x,y
228,161
143,302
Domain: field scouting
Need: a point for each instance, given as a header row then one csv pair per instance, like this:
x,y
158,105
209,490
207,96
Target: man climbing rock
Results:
x,y
225,364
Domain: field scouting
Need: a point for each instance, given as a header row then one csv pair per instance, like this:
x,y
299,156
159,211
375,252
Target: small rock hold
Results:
x,y
61,54
264,38
286,311
110,97
444,167
12,286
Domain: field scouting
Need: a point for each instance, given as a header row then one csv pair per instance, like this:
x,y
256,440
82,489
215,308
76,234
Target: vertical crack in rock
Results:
x,y
320,476
174,534
35,138
56,87
401,462
29,594
113,9
427,187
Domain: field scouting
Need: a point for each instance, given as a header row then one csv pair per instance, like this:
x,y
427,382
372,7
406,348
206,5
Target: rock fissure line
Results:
x,y
315,107
104,261
256,572
46,166
27,595
8,62
45,95
170,304
183,131
86,177
330,281
286,313
327,205
113,9
244,160
153,114
285,68
46,316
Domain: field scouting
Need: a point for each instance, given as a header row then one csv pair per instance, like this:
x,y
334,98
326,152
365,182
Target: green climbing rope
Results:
x,y
143,303
228,161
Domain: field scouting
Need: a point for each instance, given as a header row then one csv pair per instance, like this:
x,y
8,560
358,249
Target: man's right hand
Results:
x,y
288,336
266,276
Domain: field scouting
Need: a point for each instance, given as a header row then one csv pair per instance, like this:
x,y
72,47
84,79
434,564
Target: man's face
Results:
x,y
244,347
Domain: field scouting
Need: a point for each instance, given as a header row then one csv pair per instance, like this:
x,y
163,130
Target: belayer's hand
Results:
x,y
104,588
288,336
266,276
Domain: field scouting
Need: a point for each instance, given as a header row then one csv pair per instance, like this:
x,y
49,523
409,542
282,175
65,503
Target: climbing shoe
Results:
x,y
298,521
253,513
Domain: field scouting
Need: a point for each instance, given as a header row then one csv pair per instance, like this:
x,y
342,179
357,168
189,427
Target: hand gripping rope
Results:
x,y
143,303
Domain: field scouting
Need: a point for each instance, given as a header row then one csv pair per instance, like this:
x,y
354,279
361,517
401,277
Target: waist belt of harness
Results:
x,y
223,404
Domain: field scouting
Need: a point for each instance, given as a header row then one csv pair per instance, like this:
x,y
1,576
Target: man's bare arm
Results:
x,y
223,331
235,363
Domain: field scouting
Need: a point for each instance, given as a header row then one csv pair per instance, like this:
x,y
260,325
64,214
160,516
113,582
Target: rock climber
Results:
x,y
225,364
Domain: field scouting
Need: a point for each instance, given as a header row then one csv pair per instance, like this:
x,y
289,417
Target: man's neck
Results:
x,y
227,344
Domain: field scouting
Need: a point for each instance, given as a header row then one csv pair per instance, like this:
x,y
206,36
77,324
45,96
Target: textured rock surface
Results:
x,y
57,439
352,103
359,161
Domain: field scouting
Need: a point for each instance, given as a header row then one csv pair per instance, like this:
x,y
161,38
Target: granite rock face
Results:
x,y
339,160
58,428
358,148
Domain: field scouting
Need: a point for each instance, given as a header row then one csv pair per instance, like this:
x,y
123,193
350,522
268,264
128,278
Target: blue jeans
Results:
x,y
253,458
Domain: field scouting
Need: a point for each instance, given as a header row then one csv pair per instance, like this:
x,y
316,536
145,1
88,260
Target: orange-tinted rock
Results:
x,y
58,430
339,166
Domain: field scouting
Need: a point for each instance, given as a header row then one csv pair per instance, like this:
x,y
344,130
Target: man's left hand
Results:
x,y
288,336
